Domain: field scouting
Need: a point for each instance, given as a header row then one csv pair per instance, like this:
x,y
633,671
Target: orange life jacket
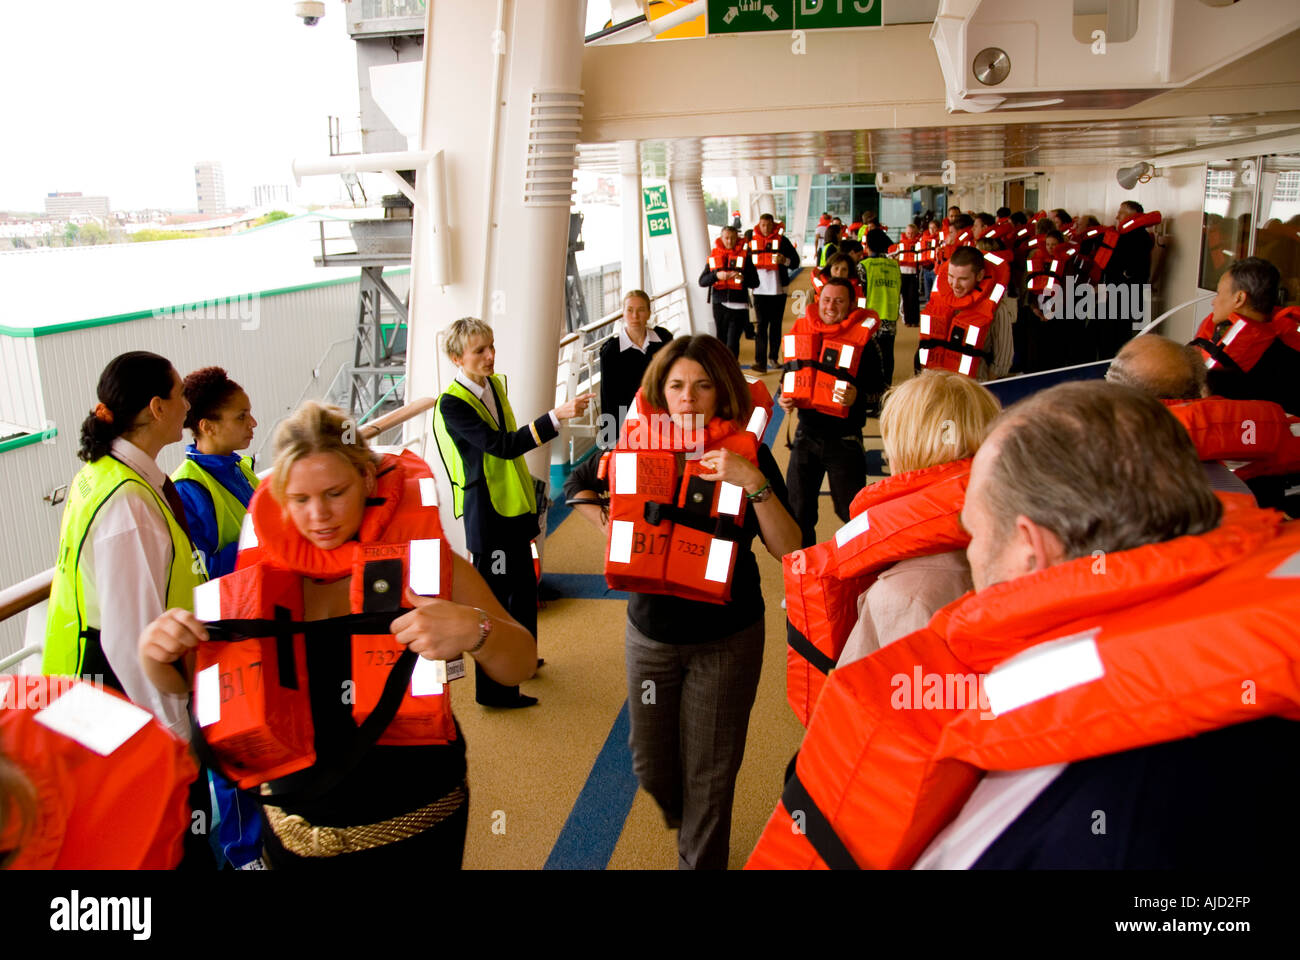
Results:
x,y
826,356
1103,240
954,330
720,258
670,530
819,279
929,249
1156,650
127,810
964,239
913,514
1042,272
908,251
1257,432
1243,341
253,703
1001,231
764,250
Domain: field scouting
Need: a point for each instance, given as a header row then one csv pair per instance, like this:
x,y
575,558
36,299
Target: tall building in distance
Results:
x,y
269,194
75,205
210,187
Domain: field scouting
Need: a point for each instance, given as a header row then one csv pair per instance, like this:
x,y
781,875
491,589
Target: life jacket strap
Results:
x,y
816,827
718,527
320,778
807,649
929,343
1216,351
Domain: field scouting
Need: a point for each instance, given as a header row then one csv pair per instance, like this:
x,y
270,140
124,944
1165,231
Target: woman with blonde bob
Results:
x,y
329,496
932,419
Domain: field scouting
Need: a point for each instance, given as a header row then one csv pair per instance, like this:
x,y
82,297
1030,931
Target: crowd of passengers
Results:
x,y
1082,603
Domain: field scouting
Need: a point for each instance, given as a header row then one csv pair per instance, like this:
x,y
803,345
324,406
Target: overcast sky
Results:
x,y
122,97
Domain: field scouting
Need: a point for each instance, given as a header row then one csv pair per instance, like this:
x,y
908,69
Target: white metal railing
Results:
x,y
577,367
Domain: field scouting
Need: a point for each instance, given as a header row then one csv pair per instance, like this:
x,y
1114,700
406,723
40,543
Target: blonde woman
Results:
x,y
328,500
936,418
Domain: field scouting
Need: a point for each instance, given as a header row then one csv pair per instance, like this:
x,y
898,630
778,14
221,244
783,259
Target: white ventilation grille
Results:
x,y
554,124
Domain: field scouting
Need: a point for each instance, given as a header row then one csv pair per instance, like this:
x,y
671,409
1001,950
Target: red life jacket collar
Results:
x,y
283,545
985,628
902,484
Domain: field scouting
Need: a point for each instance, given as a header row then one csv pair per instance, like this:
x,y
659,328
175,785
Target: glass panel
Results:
x,y
1278,238
1226,221
839,201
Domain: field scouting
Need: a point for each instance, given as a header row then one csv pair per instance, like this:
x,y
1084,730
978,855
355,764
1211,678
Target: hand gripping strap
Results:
x,y
816,827
319,779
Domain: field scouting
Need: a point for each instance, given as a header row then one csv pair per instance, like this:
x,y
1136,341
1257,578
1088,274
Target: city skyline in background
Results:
x,y
135,104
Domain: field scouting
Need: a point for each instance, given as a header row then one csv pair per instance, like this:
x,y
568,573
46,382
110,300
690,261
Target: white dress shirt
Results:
x,y
626,343
124,570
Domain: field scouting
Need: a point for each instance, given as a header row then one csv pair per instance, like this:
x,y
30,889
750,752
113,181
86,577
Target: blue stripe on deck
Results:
x,y
588,838
583,586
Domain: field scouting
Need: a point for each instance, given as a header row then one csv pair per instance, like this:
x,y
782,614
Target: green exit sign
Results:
x,y
658,221
752,16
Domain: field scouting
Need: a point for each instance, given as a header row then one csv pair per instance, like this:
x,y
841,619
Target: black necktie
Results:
x,y
178,508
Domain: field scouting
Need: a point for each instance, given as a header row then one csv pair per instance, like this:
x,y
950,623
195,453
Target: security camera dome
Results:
x,y
309,11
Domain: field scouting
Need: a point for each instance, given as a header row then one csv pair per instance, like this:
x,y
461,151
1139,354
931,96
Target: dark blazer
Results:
x,y
621,372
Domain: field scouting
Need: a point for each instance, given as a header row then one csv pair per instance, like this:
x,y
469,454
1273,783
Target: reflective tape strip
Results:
x,y
862,303
925,324
869,323
729,495
787,382
207,600
207,695
757,422
1295,429
998,291
1237,327
1044,670
625,474
426,569
994,259
427,677
713,263
967,364
846,356
428,492
719,564
925,355
533,546
247,533
620,541
854,528
973,335
789,346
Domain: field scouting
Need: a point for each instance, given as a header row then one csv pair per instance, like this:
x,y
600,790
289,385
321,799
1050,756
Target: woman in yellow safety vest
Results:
x,y
483,452
214,482
124,553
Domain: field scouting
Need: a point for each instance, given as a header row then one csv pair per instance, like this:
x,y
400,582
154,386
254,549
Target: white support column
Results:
x,y
629,159
693,242
766,202
797,230
508,169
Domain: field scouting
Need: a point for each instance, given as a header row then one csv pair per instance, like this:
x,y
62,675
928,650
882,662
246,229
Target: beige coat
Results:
x,y
903,599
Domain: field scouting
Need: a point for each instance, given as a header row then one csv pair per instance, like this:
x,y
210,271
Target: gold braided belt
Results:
x,y
301,838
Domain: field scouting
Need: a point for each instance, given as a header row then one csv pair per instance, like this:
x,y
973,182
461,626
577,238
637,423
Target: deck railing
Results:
x,y
34,590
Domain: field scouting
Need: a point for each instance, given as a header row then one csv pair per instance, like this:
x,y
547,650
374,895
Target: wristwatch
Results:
x,y
484,628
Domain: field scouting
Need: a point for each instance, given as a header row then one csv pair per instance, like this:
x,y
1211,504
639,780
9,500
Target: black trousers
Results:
x,y
909,294
769,310
887,355
843,459
508,571
730,324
